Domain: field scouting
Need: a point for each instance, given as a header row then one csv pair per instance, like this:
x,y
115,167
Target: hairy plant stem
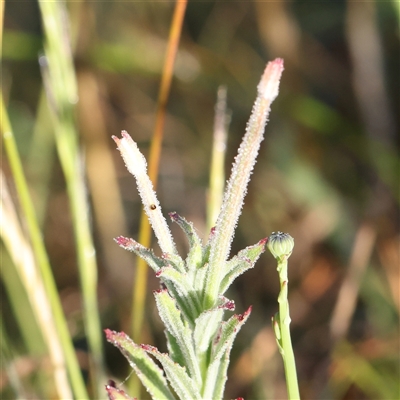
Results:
x,y
268,89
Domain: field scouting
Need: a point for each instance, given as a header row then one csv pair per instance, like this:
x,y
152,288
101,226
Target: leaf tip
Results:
x,y
263,241
269,84
174,216
111,383
124,242
227,304
160,291
242,317
116,394
109,333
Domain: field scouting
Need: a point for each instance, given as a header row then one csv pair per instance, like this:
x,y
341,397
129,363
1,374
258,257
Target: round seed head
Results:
x,y
280,244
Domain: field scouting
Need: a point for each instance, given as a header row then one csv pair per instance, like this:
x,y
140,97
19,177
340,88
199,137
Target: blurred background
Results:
x,y
327,173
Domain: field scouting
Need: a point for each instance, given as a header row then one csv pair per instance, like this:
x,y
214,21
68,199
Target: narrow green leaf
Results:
x,y
206,327
181,382
217,168
195,255
150,374
250,253
175,261
241,267
245,260
207,247
199,277
171,317
157,264
217,371
217,377
174,350
229,330
184,288
181,302
146,254
222,375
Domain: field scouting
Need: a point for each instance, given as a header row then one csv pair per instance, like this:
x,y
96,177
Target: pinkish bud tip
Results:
x,y
241,317
263,241
278,62
109,334
122,241
125,135
117,140
174,216
230,305
269,84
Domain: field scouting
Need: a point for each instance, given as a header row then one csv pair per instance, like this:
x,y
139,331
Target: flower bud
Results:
x,y
280,245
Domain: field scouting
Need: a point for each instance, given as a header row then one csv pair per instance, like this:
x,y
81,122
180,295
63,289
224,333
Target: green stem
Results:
x,y
64,337
217,174
285,339
61,87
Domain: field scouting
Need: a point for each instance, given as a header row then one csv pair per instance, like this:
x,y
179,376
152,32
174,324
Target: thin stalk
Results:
x,y
41,157
9,368
28,298
41,257
61,87
1,26
281,246
217,170
19,273
286,341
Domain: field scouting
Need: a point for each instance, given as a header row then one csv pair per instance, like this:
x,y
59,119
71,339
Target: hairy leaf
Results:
x,y
150,374
171,317
177,376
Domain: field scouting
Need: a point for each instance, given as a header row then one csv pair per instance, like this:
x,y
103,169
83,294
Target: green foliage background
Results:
x,y
327,174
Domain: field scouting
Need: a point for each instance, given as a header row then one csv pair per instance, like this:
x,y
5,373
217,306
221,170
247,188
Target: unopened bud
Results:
x,y
280,245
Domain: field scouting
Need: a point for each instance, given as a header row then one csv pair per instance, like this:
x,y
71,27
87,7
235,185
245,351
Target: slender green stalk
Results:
x,y
41,256
1,27
286,342
41,157
8,366
61,87
217,174
281,246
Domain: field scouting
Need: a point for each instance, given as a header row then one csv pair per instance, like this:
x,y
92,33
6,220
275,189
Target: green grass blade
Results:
x,y
217,170
62,94
61,332
147,370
